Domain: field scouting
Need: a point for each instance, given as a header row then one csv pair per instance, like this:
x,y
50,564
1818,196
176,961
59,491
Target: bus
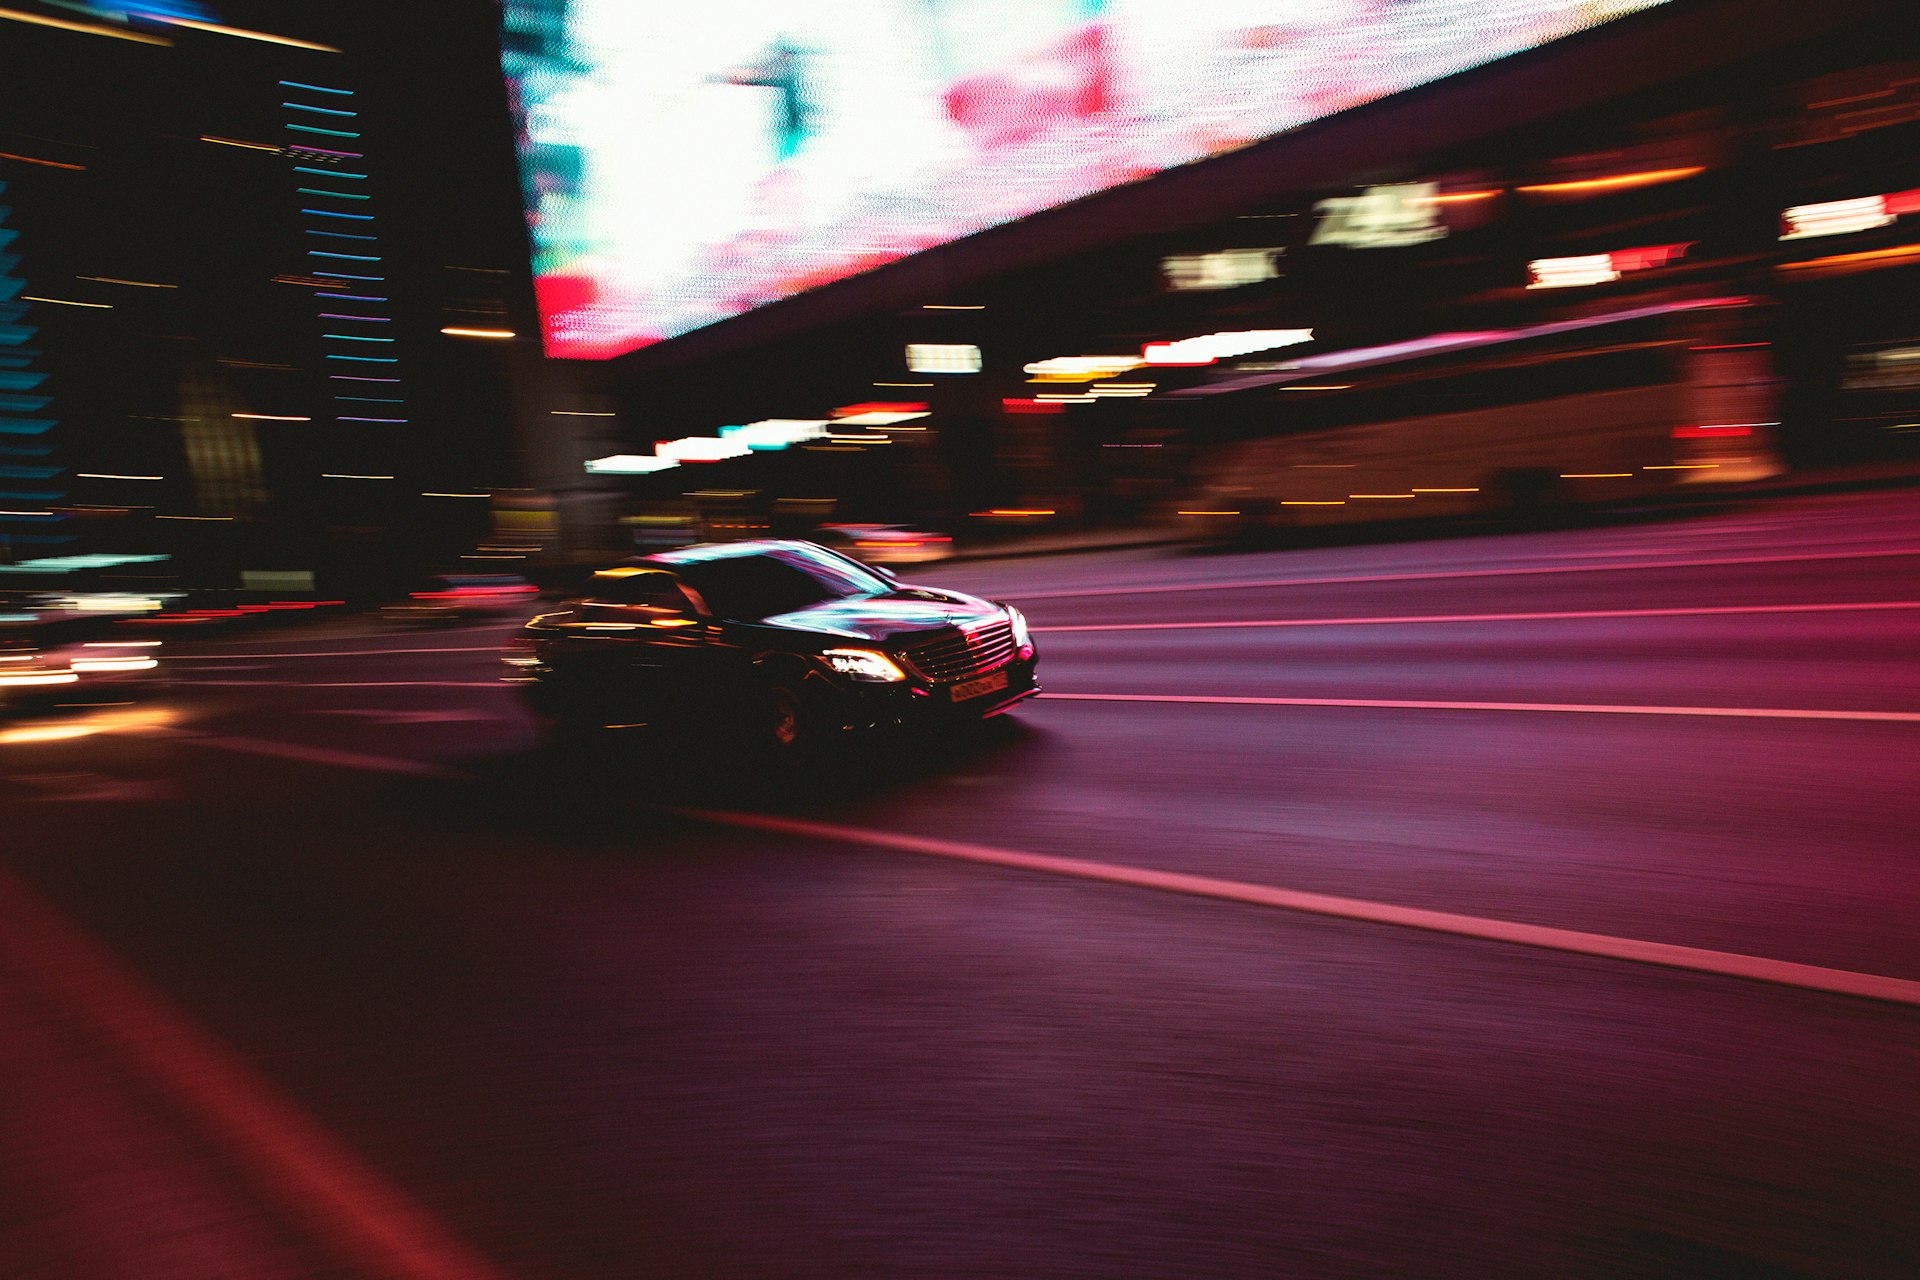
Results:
x,y
1524,422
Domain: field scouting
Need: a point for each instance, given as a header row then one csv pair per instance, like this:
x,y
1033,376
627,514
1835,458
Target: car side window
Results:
x,y
653,590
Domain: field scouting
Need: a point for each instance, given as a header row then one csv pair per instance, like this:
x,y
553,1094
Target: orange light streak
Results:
x,y
1617,182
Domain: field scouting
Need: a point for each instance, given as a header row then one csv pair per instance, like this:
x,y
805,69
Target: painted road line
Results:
x,y
328,756
343,684
329,653
355,633
1417,704
1443,574
315,1178
1565,615
1666,955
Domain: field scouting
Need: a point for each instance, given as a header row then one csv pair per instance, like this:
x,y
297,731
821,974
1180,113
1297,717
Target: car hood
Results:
x,y
882,618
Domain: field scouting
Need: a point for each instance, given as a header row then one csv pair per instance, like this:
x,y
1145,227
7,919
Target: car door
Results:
x,y
641,644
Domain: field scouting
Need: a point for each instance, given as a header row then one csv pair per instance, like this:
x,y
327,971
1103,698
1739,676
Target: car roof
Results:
x,y
704,551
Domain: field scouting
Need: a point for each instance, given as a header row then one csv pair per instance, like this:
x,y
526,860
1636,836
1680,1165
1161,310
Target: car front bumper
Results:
x,y
859,705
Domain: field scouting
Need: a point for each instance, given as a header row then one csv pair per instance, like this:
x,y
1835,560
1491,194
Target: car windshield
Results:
x,y
766,584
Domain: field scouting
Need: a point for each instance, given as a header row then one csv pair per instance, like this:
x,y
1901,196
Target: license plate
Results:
x,y
974,688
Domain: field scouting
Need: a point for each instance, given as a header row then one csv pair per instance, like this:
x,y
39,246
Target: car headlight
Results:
x,y
864,664
1021,636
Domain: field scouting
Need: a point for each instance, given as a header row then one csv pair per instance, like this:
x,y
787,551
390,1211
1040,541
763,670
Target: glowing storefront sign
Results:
x,y
1381,217
1226,269
1842,217
1600,268
1221,346
685,163
943,357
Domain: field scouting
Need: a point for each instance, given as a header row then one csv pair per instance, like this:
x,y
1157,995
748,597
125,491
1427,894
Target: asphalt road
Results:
x,y
1537,905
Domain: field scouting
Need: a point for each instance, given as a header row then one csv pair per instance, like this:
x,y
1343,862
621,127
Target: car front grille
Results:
x,y
968,653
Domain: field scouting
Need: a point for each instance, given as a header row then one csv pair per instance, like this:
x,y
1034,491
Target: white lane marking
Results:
x,y
376,716
1418,704
329,653
355,634
328,756
310,1174
1559,615
1667,955
344,684
1438,574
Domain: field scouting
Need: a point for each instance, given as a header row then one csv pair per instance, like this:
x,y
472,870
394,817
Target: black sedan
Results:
x,y
775,643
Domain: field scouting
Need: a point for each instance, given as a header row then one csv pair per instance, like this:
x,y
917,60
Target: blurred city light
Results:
x,y
1210,347
625,464
943,357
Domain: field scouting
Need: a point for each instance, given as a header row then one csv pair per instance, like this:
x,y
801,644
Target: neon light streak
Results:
x,y
322,151
325,111
244,34
348,377
390,420
331,133
85,28
329,315
339,235
351,297
353,337
338,195
317,88
328,213
366,359
343,275
350,257
1615,182
326,173
55,164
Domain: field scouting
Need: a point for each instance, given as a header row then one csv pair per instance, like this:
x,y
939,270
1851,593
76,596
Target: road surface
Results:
x,y
1536,905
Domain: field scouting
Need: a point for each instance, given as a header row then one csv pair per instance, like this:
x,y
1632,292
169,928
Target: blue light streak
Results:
x,y
331,133
317,88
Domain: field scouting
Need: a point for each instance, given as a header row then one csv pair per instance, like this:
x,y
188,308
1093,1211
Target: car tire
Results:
x,y
784,728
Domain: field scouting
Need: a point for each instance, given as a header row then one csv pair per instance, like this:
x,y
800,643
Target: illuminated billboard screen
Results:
x,y
683,163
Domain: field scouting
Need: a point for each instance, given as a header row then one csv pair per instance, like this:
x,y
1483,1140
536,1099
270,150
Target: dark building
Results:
x,y
1670,144
268,262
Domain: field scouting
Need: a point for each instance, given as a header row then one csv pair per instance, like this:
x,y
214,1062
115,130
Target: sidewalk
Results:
x,y
1888,475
